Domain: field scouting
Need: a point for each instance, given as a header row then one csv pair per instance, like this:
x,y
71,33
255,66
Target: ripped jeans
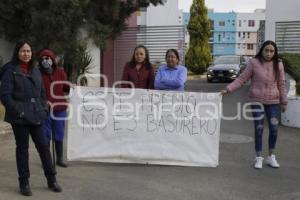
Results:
x,y
272,113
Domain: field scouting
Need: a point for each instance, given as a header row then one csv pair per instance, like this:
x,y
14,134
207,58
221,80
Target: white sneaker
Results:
x,y
272,162
258,162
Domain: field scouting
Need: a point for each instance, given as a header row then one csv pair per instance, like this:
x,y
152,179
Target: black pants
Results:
x,y
22,133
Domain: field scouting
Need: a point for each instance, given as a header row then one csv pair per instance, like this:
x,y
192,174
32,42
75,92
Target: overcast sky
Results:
x,y
227,5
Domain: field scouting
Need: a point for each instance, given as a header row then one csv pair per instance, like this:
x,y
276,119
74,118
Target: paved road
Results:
x,y
233,179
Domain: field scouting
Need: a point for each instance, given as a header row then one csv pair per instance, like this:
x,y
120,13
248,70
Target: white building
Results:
x,y
247,25
161,15
160,28
283,24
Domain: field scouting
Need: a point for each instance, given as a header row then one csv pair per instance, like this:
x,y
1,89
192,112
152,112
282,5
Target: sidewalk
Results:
x,y
5,128
196,76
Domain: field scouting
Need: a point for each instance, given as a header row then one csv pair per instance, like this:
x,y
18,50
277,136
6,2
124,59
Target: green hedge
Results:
x,y
291,63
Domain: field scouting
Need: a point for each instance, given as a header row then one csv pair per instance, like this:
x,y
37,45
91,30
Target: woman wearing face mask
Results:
x,y
23,95
139,70
55,123
268,94
171,76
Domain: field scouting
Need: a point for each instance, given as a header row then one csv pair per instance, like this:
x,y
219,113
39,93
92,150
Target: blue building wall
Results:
x,y
224,29
224,33
186,18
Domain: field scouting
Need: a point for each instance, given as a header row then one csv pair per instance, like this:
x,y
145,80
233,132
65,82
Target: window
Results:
x,y
244,34
251,23
248,34
239,34
250,46
212,24
240,23
221,23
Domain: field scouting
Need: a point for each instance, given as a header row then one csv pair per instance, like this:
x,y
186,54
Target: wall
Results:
x,y
164,15
246,35
224,28
6,50
94,51
279,11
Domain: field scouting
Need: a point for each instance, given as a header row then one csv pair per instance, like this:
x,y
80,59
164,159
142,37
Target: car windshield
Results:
x,y
227,60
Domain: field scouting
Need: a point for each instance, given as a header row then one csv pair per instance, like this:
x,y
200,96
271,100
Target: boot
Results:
x,y
54,186
59,154
25,190
24,187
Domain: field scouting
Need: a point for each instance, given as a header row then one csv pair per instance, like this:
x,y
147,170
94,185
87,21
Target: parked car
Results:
x,y
225,68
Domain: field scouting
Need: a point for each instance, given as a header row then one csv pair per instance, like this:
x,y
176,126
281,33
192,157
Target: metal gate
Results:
x,y
157,39
287,36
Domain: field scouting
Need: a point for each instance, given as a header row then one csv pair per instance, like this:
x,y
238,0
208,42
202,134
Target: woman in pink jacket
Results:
x,y
268,94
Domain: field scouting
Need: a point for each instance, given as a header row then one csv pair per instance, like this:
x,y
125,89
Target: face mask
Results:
x,y
47,63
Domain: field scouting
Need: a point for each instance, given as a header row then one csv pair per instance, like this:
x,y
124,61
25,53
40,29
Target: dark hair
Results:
x,y
174,51
15,58
132,62
275,58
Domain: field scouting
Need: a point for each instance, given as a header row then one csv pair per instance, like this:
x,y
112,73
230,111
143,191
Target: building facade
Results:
x,y
167,14
223,27
234,33
247,35
283,24
157,27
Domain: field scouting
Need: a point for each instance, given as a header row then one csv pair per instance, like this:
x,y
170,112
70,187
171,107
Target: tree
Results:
x,y
198,55
59,24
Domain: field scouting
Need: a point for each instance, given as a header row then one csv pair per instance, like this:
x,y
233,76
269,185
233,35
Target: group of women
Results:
x,y
27,94
140,72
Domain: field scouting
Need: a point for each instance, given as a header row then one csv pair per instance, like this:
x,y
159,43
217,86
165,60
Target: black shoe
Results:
x,y
25,190
61,163
54,187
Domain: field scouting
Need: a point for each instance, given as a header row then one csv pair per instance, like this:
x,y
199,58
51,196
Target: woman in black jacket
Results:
x,y
23,96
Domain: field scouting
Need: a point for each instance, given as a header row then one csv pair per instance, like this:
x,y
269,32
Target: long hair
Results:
x,y
275,58
147,64
15,57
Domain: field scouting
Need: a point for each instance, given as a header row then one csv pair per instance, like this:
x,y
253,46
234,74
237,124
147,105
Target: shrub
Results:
x,y
291,63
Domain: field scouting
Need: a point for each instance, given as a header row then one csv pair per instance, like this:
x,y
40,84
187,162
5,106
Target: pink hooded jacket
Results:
x,y
264,87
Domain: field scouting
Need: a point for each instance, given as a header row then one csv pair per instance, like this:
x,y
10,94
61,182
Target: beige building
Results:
x,y
247,31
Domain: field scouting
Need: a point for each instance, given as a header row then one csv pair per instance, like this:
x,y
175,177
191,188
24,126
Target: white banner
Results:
x,y
144,126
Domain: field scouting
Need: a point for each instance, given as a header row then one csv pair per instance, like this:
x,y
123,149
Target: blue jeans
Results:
x,y
55,127
272,114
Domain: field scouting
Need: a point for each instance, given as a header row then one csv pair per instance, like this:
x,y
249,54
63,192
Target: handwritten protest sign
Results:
x,y
144,126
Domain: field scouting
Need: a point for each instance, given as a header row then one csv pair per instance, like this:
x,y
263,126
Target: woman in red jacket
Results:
x,y
139,70
55,90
